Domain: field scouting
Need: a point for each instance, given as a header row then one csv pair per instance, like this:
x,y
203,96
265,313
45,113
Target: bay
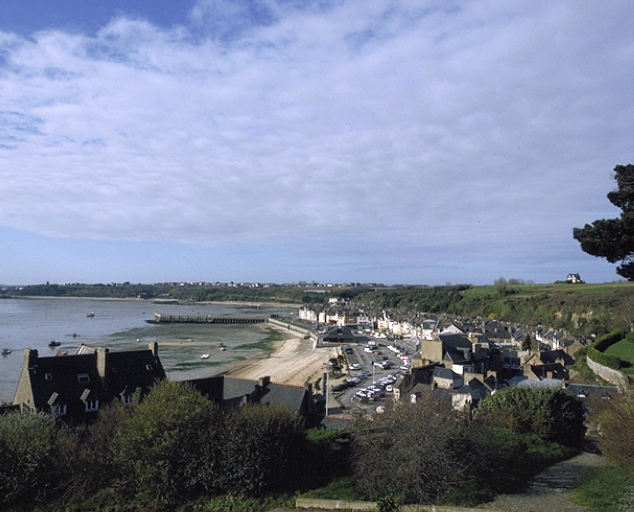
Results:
x,y
122,325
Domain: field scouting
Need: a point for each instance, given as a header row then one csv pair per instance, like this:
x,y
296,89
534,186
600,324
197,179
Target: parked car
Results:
x,y
348,350
355,366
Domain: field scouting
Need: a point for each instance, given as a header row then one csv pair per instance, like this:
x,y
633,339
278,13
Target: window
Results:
x,y
148,367
92,405
83,378
48,376
58,410
126,399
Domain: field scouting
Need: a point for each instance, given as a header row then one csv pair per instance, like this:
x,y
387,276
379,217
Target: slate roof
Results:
x,y
592,392
96,375
231,393
455,341
339,334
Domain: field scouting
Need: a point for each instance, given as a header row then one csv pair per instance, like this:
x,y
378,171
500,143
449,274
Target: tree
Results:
x,y
616,431
551,414
613,239
160,446
500,285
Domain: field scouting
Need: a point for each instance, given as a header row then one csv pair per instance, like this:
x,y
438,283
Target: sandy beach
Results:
x,y
294,361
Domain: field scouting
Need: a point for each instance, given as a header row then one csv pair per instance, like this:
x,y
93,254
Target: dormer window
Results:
x,y
58,410
90,400
83,378
48,376
148,367
126,399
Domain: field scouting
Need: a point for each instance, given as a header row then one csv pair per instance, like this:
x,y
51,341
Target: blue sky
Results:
x,y
418,142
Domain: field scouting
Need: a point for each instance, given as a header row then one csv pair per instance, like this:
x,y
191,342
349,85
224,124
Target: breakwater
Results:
x,y
160,318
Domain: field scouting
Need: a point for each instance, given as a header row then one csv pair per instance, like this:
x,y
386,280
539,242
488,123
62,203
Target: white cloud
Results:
x,y
444,127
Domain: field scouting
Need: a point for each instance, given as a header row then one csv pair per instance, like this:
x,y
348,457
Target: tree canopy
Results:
x,y
613,239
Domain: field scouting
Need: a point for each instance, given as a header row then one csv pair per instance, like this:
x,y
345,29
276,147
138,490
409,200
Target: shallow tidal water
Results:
x,y
122,325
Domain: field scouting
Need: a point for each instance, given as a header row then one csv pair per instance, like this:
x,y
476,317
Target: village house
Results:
x,y
232,393
74,387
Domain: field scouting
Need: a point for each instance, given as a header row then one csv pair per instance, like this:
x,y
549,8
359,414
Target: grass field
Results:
x,y
555,288
623,349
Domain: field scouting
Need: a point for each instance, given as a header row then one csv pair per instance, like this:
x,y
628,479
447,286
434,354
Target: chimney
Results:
x,y
101,364
30,358
153,348
264,381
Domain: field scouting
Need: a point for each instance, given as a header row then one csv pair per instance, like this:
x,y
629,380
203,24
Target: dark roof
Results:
x,y
339,334
476,389
231,392
444,373
588,391
554,356
455,341
72,380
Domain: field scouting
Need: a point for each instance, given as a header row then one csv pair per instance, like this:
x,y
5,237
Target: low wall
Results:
x,y
304,331
615,377
370,505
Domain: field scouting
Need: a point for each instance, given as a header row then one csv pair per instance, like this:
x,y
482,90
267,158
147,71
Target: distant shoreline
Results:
x,y
158,301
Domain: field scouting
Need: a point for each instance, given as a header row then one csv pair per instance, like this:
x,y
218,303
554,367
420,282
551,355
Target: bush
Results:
x,y
36,455
616,431
551,414
423,452
261,450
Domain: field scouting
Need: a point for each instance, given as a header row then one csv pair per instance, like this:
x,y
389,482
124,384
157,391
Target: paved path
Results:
x,y
550,490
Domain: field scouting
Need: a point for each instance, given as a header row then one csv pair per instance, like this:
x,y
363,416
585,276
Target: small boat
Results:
x,y
222,346
91,314
54,343
6,351
205,356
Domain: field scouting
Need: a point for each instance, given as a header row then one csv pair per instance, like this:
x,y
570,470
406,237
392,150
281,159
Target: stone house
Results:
x,y
74,387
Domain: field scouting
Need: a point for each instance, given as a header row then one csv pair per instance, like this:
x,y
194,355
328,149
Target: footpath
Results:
x,y
549,491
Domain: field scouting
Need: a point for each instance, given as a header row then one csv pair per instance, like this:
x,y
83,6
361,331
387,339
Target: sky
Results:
x,y
373,141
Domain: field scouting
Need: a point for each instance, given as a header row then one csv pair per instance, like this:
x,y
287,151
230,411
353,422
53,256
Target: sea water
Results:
x,y
122,325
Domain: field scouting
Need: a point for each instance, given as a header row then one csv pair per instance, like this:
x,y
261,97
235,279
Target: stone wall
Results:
x,y
615,377
303,331
370,505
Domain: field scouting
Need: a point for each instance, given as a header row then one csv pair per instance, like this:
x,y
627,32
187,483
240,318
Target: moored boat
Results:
x,y
205,356
6,351
54,343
